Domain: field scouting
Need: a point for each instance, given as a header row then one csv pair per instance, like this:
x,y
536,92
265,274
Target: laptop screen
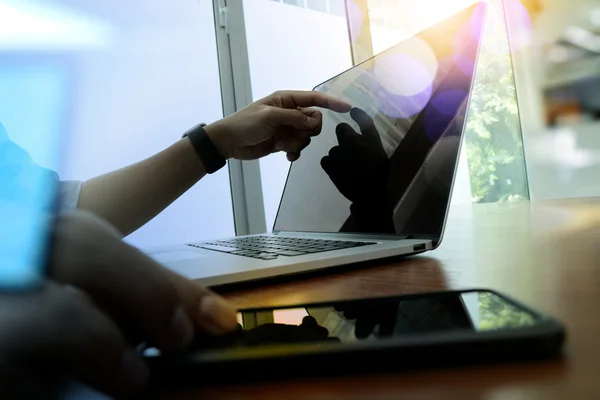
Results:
x,y
387,167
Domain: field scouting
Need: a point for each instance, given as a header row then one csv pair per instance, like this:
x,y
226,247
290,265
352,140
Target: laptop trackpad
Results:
x,y
172,256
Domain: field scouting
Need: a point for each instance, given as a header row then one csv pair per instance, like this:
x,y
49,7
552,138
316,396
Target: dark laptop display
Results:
x,y
388,166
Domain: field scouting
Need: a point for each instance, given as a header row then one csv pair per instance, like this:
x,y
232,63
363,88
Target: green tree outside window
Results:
x,y
493,138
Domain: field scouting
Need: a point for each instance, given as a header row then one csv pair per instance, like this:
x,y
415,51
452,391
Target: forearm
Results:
x,y
130,197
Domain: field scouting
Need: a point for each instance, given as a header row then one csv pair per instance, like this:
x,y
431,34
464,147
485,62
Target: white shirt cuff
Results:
x,y
69,194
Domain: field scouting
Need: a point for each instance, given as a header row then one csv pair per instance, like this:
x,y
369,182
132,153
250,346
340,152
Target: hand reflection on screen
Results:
x,y
367,316
388,317
359,168
307,331
272,333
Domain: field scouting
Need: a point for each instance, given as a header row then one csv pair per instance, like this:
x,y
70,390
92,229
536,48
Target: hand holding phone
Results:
x,y
378,334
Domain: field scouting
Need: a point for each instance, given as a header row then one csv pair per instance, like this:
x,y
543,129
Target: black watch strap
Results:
x,y
208,153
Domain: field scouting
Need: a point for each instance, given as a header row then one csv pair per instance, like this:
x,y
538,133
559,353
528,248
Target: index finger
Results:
x,y
299,98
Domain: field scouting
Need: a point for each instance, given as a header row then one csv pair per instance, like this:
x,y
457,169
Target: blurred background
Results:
x,y
117,81
560,67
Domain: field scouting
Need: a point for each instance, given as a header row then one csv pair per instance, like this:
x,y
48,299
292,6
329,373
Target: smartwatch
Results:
x,y
208,153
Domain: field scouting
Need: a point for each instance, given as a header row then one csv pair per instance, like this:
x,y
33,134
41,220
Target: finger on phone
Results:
x,y
125,283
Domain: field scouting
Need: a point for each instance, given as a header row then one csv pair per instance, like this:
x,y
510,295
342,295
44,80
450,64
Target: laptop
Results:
x,y
377,182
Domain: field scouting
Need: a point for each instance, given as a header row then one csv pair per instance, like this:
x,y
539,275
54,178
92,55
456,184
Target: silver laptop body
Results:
x,y
355,194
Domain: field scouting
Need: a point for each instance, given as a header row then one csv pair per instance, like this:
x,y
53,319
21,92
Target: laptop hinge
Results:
x,y
343,235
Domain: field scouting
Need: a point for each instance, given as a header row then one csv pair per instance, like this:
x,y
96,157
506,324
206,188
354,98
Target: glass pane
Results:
x,y
317,5
494,141
337,7
288,60
492,166
134,76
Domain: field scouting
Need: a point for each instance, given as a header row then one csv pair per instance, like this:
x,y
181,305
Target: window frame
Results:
x,y
234,68
236,93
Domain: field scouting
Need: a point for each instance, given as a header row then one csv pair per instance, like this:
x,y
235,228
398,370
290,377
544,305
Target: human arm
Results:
x,y
131,196
91,314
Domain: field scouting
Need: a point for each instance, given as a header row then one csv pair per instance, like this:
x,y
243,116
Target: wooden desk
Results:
x,y
546,254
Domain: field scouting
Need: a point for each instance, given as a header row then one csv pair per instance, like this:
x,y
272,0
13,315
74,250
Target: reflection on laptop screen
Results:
x,y
388,165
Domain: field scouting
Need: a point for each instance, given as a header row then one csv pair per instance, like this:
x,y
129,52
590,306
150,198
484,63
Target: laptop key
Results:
x,y
289,248
267,256
312,251
269,247
289,253
246,253
223,249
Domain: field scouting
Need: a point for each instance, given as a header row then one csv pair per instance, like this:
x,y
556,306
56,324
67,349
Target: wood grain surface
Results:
x,y
545,254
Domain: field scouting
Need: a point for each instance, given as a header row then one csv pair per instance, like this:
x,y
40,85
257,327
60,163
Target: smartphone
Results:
x,y
367,335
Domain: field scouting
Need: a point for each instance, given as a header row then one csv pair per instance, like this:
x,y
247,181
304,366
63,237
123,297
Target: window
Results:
x,y
337,7
317,5
134,82
494,139
131,82
294,2
290,61
492,166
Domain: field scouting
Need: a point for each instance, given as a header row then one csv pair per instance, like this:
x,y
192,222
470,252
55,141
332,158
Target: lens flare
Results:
x,y
519,25
465,50
467,40
477,20
395,106
444,108
408,69
448,103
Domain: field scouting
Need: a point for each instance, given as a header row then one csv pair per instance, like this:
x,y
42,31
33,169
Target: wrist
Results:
x,y
219,136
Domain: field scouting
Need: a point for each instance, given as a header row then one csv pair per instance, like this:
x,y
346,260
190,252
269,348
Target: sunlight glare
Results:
x,y
395,106
417,63
519,24
30,25
291,316
415,17
355,18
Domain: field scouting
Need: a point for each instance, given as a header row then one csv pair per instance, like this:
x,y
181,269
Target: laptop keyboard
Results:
x,y
269,247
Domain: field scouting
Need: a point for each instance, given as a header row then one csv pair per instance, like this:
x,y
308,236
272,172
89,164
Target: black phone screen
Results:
x,y
356,321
